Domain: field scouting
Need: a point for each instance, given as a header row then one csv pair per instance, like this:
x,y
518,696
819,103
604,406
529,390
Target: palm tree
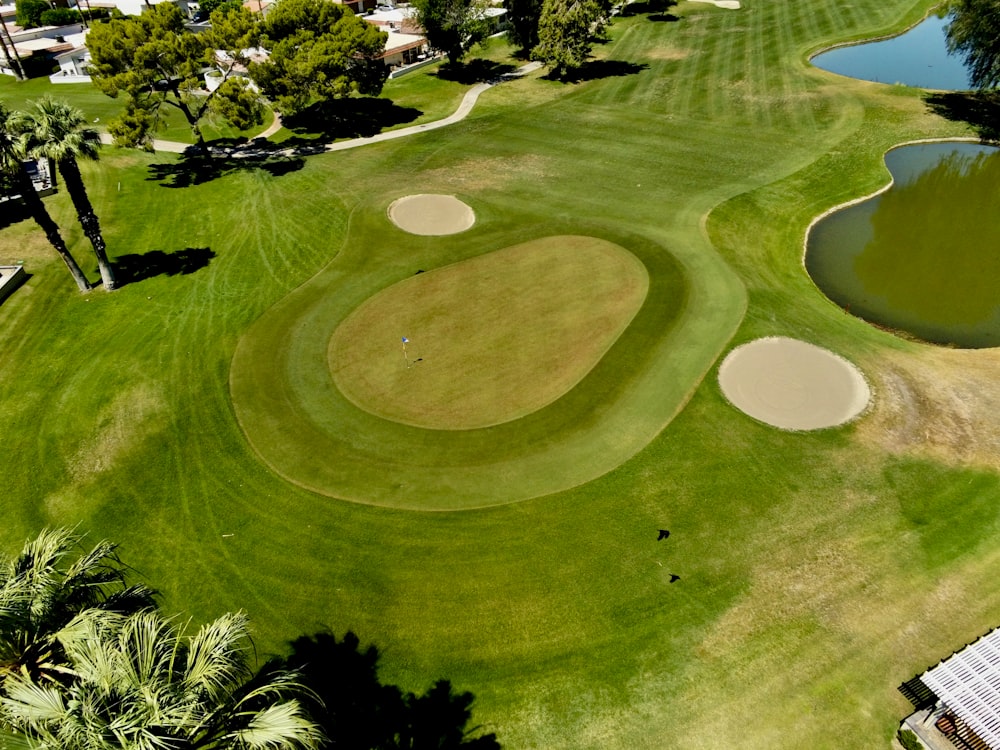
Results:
x,y
55,130
44,587
138,682
11,161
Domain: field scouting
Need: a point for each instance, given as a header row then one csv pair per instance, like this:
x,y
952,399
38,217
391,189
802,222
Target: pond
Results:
x,y
917,58
923,256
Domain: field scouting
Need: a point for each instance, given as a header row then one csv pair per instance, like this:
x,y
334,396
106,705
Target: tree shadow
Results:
x,y
648,7
224,157
593,70
474,71
12,212
979,109
136,267
350,117
358,712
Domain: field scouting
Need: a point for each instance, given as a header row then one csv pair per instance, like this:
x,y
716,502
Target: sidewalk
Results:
x,y
464,108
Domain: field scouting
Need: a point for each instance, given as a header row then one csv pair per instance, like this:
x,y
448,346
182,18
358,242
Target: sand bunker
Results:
x,y
793,385
431,215
728,4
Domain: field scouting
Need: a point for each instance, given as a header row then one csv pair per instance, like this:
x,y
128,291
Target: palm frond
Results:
x,y
28,704
217,656
278,727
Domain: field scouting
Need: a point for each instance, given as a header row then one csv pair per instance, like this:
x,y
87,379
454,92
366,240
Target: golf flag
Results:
x,y
406,340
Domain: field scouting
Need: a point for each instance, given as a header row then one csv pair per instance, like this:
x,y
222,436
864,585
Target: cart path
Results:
x,y
464,108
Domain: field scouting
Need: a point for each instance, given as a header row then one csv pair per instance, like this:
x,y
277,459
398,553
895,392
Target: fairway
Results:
x,y
492,338
487,506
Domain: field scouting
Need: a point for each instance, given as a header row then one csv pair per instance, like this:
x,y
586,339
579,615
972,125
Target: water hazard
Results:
x,y
922,257
917,58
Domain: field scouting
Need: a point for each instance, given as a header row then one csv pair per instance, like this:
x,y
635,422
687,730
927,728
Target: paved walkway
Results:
x,y
464,108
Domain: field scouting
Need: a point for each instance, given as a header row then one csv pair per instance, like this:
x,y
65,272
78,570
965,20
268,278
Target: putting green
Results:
x,y
305,429
488,339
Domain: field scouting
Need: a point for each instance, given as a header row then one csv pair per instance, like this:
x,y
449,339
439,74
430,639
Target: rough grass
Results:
x,y
817,571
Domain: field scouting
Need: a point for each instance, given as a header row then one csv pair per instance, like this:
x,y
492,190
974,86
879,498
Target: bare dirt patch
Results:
x,y
792,384
727,4
667,54
489,172
431,215
937,402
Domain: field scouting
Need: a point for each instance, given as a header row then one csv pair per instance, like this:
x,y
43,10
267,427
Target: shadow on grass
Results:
x,y
135,267
597,69
224,157
476,70
653,8
12,212
358,712
352,117
981,110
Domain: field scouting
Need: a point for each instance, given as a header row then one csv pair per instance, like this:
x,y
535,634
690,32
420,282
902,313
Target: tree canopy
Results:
x,y
48,583
12,154
29,12
88,663
55,130
155,61
523,17
974,32
566,32
453,25
319,50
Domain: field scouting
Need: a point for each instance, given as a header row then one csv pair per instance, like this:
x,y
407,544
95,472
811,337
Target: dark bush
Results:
x,y
60,17
909,740
29,12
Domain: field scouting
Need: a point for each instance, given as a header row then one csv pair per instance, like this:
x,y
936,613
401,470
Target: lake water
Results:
x,y
917,58
923,257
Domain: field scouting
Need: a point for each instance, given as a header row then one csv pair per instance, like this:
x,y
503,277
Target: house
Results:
x,y
402,20
235,67
41,173
11,277
259,6
961,700
404,49
36,48
73,62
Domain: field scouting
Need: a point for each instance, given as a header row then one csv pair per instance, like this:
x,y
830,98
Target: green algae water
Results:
x,y
923,257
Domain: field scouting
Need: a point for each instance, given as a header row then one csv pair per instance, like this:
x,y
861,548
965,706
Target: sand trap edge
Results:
x,y
851,400
431,214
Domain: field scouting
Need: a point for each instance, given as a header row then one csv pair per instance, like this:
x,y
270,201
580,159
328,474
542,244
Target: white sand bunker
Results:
x,y
431,215
727,4
793,385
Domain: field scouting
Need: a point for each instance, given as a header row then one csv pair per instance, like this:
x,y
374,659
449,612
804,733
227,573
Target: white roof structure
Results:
x,y
968,682
398,42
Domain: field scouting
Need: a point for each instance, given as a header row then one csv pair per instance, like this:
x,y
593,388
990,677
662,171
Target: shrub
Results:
x,y
909,740
29,12
60,17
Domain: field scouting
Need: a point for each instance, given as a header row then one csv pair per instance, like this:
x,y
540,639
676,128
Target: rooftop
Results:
x,y
968,682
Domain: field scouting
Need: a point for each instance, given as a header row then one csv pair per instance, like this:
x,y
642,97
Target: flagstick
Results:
x,y
405,357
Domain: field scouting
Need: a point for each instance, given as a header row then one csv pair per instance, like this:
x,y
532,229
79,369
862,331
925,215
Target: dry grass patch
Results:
x,y
492,338
489,173
938,403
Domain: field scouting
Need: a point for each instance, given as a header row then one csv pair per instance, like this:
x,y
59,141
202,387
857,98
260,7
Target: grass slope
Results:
x,y
818,571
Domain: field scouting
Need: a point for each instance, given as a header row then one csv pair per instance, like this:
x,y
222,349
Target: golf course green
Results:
x,y
237,414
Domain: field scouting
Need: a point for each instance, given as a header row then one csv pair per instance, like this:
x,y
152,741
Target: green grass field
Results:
x,y
818,570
